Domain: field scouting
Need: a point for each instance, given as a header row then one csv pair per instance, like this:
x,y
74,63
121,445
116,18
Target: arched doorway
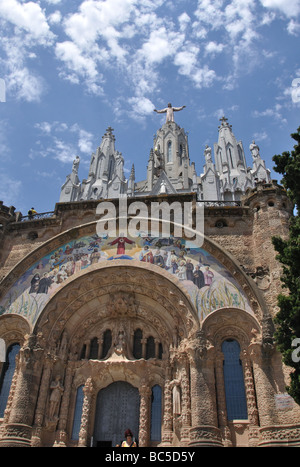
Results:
x,y
117,408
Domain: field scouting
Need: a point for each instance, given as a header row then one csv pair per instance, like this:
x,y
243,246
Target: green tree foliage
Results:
x,y
288,318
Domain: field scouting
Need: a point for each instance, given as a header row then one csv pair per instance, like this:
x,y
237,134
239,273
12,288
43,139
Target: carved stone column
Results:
x,y
87,349
265,393
144,344
167,431
186,403
204,431
61,437
86,409
261,355
251,401
221,398
145,415
18,430
41,405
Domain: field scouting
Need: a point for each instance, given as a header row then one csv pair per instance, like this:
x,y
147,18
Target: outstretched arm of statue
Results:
x,y
160,111
176,109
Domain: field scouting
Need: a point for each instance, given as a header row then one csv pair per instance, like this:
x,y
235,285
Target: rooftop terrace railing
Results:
x,y
33,217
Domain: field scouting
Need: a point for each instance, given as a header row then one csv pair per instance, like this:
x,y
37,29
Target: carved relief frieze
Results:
x,y
115,291
231,323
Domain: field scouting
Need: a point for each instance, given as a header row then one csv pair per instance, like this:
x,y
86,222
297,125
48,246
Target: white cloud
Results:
x,y
210,12
291,8
53,2
29,25
70,53
261,136
56,140
134,38
55,18
141,106
204,77
187,60
272,112
27,16
184,21
99,19
25,85
161,44
293,28
85,139
79,66
213,47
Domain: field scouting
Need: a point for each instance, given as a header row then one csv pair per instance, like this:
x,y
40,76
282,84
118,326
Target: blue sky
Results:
x,y
73,68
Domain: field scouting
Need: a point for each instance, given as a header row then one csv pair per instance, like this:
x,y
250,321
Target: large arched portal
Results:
x,y
115,331
118,408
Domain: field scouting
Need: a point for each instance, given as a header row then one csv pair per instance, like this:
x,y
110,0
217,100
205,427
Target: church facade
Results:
x,y
155,330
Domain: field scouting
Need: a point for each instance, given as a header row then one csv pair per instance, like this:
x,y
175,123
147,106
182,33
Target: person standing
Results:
x,y
129,441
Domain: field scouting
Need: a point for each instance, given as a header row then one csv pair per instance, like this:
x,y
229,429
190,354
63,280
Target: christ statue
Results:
x,y
170,112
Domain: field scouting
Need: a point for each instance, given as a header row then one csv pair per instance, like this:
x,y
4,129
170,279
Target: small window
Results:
x,y
77,413
220,224
180,154
169,153
137,344
32,236
83,352
111,167
94,349
240,154
107,341
230,157
156,399
236,403
150,348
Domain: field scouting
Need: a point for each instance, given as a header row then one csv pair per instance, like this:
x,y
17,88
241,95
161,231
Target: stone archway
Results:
x,y
119,297
93,296
117,408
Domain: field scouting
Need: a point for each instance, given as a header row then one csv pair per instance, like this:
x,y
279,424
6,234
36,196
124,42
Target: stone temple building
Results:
x,y
170,170
107,323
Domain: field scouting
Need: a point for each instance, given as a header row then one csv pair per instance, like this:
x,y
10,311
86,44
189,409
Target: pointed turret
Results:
x,y
105,178
231,163
131,182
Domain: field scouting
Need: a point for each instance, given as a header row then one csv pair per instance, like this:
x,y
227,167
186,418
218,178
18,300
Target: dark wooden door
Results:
x,y
118,408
